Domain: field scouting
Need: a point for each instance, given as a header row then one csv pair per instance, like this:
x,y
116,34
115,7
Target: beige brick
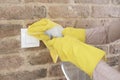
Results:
x,y
41,47
9,45
22,12
8,30
25,75
16,12
39,12
66,23
50,1
88,23
84,23
105,11
68,11
55,70
10,62
93,1
41,58
116,2
9,1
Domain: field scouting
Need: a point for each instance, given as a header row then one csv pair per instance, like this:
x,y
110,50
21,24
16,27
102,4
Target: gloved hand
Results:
x,y
69,49
38,29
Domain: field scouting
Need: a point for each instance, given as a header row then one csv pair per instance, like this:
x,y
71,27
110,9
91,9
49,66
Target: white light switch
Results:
x,y
28,41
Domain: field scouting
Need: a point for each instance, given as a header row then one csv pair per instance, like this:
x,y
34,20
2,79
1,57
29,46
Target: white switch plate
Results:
x,y
28,41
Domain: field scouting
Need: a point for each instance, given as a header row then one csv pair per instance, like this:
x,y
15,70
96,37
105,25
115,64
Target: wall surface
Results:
x,y
36,63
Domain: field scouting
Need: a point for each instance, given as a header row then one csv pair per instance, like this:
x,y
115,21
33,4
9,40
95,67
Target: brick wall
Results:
x,y
35,63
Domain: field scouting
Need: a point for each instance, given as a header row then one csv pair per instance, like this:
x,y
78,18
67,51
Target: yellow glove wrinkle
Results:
x,y
53,52
76,33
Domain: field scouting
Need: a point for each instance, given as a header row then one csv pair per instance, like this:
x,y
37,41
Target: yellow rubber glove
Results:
x,y
84,56
76,33
38,28
68,48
